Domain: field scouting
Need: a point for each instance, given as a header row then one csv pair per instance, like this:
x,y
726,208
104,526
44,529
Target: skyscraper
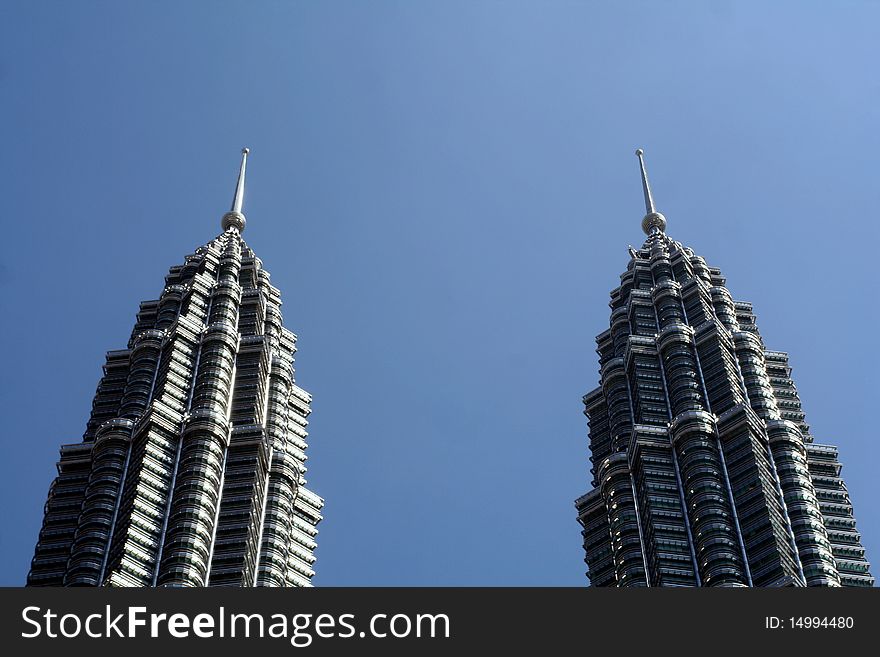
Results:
x,y
704,470
190,472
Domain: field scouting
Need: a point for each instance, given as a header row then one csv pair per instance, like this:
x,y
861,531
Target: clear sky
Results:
x,y
444,193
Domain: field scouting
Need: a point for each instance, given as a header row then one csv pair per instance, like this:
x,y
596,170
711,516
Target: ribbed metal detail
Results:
x,y
703,469
191,468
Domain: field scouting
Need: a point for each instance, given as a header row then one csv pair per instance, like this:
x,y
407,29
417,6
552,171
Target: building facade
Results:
x,y
704,471
191,469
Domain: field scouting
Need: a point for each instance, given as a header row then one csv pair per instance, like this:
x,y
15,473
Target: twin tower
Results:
x,y
191,471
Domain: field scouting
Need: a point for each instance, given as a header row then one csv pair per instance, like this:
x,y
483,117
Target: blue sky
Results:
x,y
444,193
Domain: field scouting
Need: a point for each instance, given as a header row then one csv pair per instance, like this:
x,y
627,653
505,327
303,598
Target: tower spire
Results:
x,y
649,201
653,219
234,218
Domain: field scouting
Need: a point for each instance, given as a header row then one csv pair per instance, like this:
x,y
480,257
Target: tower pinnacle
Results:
x,y
222,459
652,219
714,429
234,218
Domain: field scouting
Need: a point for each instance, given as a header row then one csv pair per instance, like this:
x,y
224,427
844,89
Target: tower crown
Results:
x,y
697,432
210,490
